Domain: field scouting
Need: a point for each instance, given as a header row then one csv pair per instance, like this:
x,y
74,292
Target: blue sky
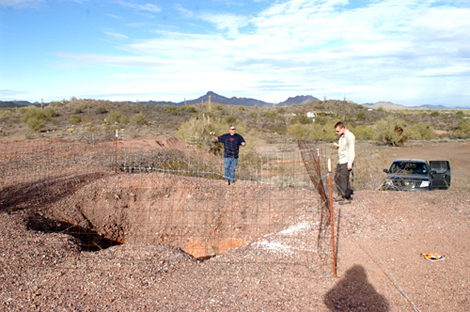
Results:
x,y
404,51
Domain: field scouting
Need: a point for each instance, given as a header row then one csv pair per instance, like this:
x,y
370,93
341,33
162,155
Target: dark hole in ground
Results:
x,y
91,240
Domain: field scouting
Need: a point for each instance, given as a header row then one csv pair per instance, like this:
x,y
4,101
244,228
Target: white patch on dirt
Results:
x,y
282,241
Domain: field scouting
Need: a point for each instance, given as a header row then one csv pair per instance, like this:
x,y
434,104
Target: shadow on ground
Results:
x,y
354,293
41,192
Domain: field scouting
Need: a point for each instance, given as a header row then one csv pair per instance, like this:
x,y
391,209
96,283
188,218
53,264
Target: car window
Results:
x,y
409,167
439,166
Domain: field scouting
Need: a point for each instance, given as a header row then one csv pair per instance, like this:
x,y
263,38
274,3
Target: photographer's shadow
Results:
x,y
354,293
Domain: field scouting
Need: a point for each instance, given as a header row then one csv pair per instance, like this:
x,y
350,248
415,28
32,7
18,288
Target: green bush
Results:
x,y
172,110
58,103
196,132
463,129
78,111
363,133
33,112
49,113
391,131
35,124
313,131
116,116
139,119
303,119
320,120
230,119
281,110
361,116
269,114
74,119
189,109
6,113
101,110
420,131
435,114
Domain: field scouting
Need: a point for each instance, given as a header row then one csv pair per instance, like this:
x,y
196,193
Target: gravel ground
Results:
x,y
99,241
379,238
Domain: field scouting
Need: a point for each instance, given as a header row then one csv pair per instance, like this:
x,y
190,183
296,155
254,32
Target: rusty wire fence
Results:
x,y
108,193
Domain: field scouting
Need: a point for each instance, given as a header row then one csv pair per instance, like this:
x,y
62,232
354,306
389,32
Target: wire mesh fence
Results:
x,y
108,193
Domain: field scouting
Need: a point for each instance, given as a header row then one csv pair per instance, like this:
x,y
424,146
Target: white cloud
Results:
x,y
20,4
115,34
386,50
140,7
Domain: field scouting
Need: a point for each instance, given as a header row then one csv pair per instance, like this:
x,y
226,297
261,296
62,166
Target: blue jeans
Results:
x,y
230,165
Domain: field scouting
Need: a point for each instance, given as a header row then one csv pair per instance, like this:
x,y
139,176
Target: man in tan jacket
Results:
x,y
346,154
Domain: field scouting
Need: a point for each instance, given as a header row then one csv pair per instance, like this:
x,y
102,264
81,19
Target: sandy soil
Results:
x,y
257,247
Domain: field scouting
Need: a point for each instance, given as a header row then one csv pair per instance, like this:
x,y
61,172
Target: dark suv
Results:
x,y
417,175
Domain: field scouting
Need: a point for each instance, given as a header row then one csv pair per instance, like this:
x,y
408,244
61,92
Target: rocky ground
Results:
x,y
379,239
101,241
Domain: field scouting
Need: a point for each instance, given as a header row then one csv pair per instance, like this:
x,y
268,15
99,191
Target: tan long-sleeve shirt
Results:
x,y
346,151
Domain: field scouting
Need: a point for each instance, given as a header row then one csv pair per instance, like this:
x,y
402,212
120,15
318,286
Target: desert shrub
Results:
x,y
230,119
49,113
363,133
101,110
391,131
463,129
172,110
196,131
5,113
312,131
35,124
116,116
281,110
420,131
298,131
139,119
459,113
361,116
77,111
58,103
55,104
303,119
320,120
33,112
242,108
252,115
189,109
435,114
74,119
269,114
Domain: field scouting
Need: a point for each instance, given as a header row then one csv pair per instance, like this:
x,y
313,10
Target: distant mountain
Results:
x,y
298,100
386,105
216,98
390,105
17,104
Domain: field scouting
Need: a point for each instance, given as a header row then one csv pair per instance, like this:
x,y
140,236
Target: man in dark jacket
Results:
x,y
232,142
